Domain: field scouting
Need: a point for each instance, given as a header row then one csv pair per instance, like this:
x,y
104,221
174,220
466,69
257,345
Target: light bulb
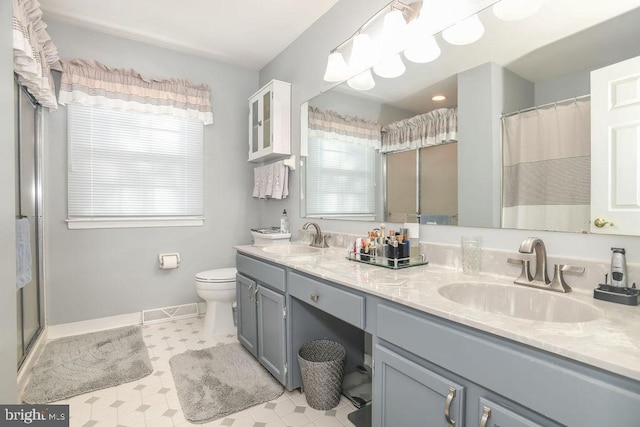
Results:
x,y
464,32
390,68
394,33
363,81
422,47
512,10
337,69
362,55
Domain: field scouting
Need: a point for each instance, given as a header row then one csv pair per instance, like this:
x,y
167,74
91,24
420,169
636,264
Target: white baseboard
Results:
x,y
93,325
101,324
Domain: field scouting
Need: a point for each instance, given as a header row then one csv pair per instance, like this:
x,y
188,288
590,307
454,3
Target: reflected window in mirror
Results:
x,y
342,166
431,199
439,184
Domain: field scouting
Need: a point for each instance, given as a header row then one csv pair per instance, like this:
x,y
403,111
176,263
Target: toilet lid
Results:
x,y
217,275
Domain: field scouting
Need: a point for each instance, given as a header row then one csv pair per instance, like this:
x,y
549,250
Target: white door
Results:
x,y
615,148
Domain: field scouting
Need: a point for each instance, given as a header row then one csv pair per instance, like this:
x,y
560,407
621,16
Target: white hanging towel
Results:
x,y
280,180
261,176
269,177
23,253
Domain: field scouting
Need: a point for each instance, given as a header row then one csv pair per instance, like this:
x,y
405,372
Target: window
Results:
x,y
129,169
341,178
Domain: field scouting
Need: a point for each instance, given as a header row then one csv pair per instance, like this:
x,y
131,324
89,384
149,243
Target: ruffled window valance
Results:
x,y
34,54
327,124
93,84
432,128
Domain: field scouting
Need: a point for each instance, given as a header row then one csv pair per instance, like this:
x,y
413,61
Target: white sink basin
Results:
x,y
519,302
291,250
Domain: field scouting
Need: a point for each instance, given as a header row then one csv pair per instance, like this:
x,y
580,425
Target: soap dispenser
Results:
x,y
618,267
284,222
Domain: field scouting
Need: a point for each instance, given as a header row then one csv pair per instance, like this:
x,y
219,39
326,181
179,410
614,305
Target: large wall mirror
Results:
x,y
545,59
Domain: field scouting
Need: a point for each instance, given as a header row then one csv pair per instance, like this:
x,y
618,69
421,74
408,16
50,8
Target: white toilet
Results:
x,y
218,288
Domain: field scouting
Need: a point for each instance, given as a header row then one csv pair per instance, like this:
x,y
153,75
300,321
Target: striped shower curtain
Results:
x,y
546,168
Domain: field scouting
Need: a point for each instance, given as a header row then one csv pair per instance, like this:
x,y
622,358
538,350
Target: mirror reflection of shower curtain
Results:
x,y
546,168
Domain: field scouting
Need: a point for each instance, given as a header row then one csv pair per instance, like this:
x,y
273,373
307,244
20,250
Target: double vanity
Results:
x,y
447,349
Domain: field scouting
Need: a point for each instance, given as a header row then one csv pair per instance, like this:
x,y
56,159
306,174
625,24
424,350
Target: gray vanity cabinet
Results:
x,y
409,394
520,385
247,320
272,332
261,325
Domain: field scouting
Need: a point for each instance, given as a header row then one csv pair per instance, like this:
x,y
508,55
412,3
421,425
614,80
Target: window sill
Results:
x,y
90,223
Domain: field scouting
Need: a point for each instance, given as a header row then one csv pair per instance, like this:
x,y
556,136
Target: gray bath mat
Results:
x,y
218,381
83,363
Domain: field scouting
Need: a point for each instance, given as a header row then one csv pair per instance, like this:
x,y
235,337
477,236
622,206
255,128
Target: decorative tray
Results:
x,y
393,263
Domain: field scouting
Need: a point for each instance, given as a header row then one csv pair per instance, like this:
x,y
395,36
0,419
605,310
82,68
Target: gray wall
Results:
x,y
482,98
8,326
564,87
99,273
348,105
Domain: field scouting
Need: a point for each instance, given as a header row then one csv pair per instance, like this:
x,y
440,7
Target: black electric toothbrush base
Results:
x,y
617,294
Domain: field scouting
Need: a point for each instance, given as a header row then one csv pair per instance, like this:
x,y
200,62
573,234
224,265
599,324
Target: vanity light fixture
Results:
x,y
410,28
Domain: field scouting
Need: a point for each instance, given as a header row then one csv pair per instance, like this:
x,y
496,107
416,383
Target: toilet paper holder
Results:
x,y
168,261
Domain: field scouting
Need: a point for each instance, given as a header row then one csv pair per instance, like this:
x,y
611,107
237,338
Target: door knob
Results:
x,y
601,222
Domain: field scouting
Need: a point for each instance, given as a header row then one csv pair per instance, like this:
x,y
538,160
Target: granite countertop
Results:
x,y
611,342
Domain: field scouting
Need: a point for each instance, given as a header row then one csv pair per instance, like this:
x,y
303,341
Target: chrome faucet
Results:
x,y
535,245
528,246
319,239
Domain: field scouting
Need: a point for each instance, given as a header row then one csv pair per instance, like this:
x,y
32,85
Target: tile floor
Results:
x,y
152,401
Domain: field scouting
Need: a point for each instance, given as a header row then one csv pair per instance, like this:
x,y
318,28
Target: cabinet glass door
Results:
x,y
255,126
266,118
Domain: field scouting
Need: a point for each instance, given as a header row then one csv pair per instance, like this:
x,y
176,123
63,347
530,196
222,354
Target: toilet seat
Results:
x,y
219,275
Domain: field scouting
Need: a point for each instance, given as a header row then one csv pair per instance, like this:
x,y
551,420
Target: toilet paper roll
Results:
x,y
168,262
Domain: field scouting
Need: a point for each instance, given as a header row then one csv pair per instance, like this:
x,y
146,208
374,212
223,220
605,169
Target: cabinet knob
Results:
x,y
314,297
486,413
259,122
447,407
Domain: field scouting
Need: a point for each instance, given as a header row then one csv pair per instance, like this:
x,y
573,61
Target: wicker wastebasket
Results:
x,y
322,368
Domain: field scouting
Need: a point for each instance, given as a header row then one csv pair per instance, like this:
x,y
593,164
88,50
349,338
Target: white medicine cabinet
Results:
x,y
270,122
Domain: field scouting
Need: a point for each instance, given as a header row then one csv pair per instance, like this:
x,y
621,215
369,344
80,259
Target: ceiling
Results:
x,y
248,33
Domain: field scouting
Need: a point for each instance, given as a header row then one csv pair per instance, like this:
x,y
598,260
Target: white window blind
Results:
x,y
133,167
340,178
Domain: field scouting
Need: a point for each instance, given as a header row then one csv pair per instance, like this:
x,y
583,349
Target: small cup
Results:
x,y
471,251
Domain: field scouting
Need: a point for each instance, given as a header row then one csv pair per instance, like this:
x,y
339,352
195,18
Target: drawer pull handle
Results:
x,y
314,297
486,413
447,407
251,292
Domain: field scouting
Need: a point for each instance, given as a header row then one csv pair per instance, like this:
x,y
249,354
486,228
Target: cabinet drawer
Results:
x,y
492,414
342,304
264,273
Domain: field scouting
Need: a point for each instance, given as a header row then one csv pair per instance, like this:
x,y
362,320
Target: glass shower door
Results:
x,y
28,206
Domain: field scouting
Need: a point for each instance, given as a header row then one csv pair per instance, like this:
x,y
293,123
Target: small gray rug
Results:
x,y
75,365
219,381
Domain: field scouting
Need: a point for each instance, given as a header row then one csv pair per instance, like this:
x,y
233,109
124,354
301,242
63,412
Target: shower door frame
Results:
x,y
21,93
